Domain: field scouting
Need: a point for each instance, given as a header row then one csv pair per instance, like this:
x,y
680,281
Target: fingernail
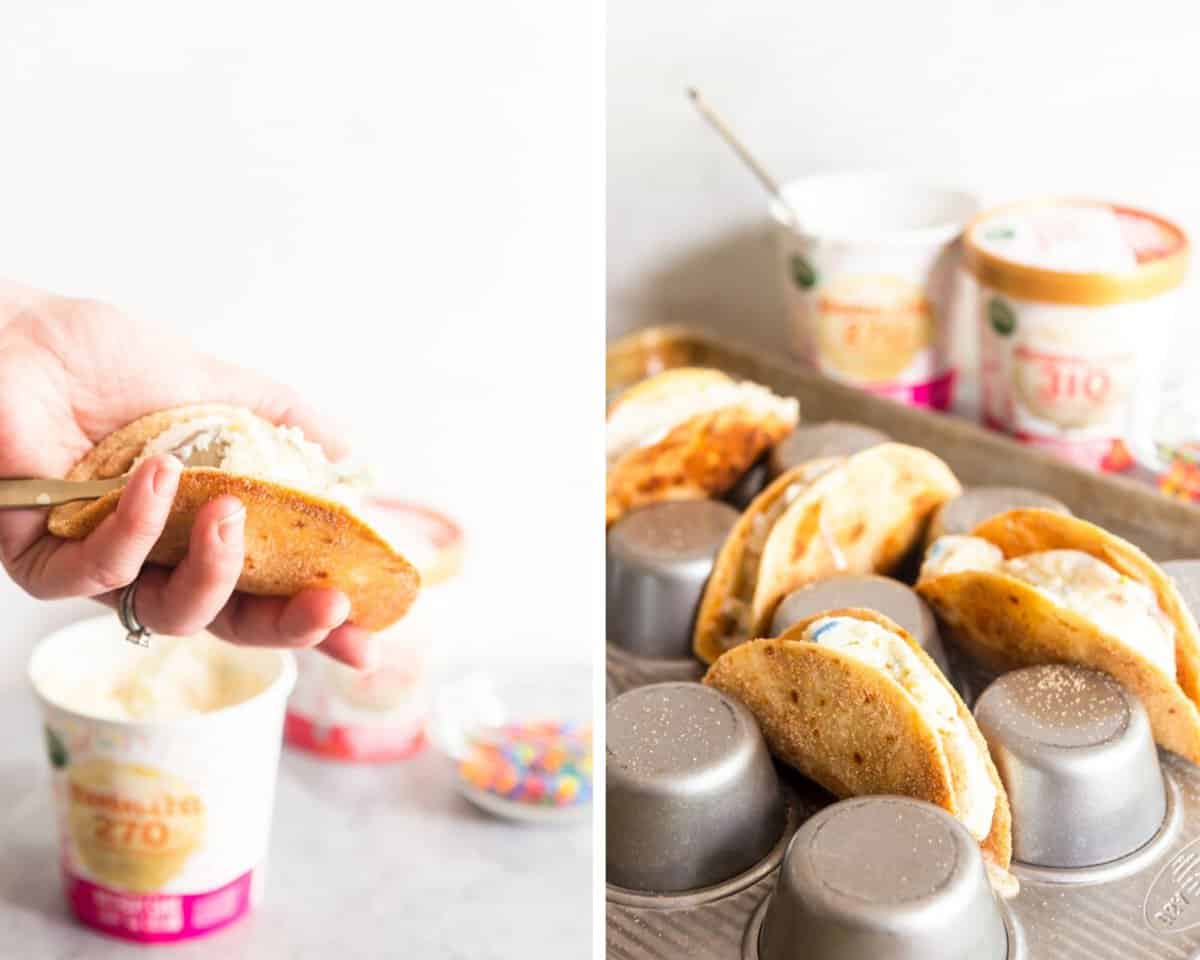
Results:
x,y
229,527
166,472
339,613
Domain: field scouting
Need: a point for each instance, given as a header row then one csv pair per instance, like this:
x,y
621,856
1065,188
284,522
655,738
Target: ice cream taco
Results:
x,y
859,514
301,528
1035,586
688,433
850,700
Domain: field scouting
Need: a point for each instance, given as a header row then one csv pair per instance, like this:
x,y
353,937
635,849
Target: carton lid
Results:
x,y
428,539
1075,251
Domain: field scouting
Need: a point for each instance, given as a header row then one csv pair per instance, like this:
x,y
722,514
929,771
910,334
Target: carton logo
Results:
x,y
1173,901
803,274
132,826
870,327
1072,391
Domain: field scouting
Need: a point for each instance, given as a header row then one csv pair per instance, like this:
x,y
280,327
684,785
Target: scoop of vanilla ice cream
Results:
x,y
242,443
177,677
877,647
1117,604
955,553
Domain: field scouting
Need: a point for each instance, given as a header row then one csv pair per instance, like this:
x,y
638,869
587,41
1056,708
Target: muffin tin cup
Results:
x,y
1140,860
699,896
1014,934
890,597
1073,747
643,670
966,511
850,887
658,560
832,438
693,798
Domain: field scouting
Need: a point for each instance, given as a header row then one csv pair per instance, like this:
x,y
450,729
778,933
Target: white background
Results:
x,y
399,214
1012,99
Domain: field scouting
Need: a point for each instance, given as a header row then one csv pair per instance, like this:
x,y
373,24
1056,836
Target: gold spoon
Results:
x,y
37,492
769,183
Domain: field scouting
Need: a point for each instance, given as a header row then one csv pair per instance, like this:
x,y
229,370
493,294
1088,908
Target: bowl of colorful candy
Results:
x,y
520,740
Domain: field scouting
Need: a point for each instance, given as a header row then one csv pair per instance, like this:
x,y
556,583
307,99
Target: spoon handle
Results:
x,y
43,492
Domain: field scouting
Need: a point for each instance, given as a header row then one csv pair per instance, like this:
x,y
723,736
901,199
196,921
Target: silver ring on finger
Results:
x,y
136,631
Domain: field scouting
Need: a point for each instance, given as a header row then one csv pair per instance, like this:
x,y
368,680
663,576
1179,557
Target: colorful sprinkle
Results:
x,y
541,764
825,627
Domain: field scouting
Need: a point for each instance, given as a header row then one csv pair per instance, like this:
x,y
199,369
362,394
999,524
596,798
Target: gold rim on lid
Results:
x,y
1150,278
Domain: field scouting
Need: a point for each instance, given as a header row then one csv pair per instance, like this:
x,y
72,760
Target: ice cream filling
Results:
x,y
1118,605
957,553
883,650
738,606
177,677
245,444
636,424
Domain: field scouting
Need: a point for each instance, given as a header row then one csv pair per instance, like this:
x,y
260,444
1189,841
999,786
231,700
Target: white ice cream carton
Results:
x,y
379,715
164,765
870,279
1076,301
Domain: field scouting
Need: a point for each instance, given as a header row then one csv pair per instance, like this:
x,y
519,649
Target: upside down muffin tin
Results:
x,y
714,851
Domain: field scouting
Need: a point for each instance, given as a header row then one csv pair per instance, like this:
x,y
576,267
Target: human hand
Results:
x,y
73,371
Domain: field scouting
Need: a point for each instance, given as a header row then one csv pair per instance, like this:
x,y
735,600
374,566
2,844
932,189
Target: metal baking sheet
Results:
x,y
1152,913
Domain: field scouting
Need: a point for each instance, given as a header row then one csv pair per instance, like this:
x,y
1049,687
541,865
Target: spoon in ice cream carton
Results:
x,y
36,492
769,183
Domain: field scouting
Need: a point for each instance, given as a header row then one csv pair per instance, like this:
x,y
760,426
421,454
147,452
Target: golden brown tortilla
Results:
x,y
863,515
1005,623
702,457
294,540
722,615
850,727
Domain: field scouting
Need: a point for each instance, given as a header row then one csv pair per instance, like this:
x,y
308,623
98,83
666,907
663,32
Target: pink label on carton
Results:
x,y
937,394
158,917
362,744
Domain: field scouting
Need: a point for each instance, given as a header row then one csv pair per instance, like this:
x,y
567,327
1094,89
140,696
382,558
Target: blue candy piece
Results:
x,y
829,625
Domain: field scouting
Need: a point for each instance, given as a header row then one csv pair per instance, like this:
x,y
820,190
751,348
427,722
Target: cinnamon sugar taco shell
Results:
x,y
859,514
294,539
688,433
870,713
1004,621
